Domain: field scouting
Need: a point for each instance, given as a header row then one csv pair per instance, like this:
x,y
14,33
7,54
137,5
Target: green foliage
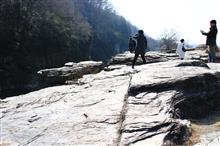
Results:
x,y
76,30
110,32
43,30
36,34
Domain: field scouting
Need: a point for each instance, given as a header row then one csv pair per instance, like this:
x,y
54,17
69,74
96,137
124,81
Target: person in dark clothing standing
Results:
x,y
140,47
131,44
211,40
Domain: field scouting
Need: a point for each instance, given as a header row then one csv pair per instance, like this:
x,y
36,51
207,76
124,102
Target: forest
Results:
x,y
39,34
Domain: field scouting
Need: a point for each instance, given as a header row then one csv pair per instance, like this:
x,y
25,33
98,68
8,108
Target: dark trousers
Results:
x,y
135,59
212,57
212,53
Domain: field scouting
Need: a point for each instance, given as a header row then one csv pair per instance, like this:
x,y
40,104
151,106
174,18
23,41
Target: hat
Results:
x,y
182,40
213,21
140,31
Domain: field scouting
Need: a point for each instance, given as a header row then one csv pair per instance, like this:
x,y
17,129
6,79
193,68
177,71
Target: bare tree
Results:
x,y
168,41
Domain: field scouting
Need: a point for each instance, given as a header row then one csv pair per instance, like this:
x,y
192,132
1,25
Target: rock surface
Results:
x,y
151,57
197,54
154,104
70,71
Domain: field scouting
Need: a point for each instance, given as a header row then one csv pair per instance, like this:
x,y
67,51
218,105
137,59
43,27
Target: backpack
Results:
x,y
183,48
131,45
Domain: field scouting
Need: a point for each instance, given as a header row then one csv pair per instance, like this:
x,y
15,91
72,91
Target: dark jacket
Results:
x,y
141,44
211,36
131,44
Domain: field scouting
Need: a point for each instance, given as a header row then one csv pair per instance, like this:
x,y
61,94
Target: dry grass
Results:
x,y
198,129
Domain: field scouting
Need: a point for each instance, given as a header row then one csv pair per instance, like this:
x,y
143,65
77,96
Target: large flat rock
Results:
x,y
67,115
162,95
150,105
70,71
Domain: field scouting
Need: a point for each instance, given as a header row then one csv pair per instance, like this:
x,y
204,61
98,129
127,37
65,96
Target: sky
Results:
x,y
186,17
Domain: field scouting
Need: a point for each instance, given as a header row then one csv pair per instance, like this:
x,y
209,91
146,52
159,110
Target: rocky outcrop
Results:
x,y
151,57
154,57
154,104
24,79
89,113
71,71
188,92
197,54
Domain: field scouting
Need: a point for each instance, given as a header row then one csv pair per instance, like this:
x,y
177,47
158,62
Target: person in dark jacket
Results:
x,y
131,44
211,40
140,47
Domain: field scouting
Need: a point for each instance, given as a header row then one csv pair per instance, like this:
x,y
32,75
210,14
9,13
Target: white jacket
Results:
x,y
179,50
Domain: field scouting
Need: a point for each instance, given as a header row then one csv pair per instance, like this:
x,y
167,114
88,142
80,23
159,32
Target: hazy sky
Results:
x,y
186,17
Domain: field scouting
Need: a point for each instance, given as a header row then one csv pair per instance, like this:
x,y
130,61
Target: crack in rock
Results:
x,y
91,104
36,137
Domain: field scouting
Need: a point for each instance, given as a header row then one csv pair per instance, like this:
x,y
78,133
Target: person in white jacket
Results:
x,y
180,51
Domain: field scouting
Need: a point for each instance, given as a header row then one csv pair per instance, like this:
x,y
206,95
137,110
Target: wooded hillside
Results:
x,y
37,34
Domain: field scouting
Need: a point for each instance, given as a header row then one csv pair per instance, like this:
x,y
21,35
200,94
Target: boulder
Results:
x,y
70,71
